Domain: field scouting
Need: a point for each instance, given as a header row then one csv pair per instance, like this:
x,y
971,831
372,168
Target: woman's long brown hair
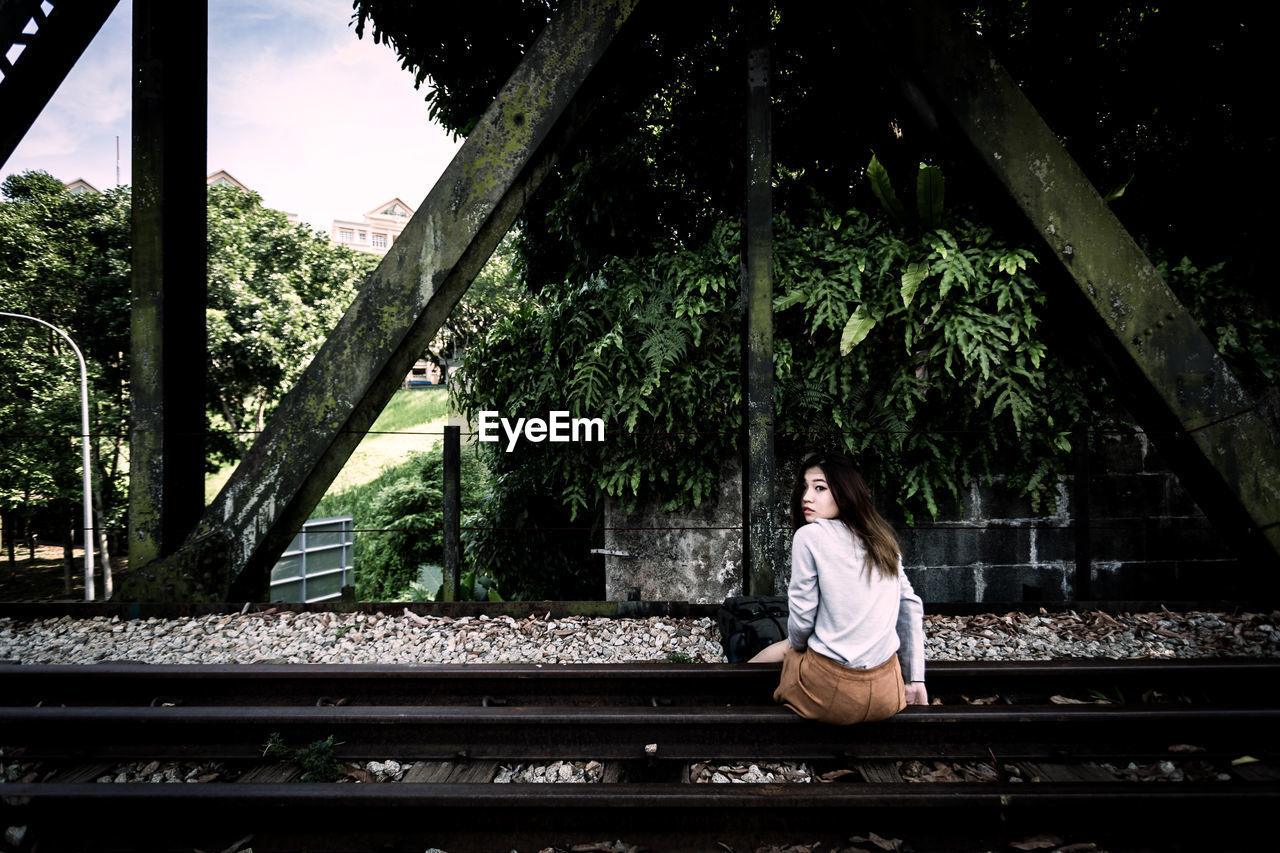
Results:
x,y
853,499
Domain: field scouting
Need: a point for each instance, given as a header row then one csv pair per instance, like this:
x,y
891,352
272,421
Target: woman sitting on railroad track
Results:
x,y
855,631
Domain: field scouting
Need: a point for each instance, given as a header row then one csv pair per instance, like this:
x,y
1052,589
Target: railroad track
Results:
x,y
1044,762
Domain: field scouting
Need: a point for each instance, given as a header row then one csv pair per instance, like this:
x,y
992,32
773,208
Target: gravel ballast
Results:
x,y
283,636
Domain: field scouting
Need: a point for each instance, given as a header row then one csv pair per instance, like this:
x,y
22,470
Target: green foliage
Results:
x,y
276,290
430,586
921,354
1222,306
919,351
884,192
495,293
916,339
275,747
400,516
63,259
649,346
316,760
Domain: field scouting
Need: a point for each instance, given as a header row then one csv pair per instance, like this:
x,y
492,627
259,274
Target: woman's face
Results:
x,y
817,501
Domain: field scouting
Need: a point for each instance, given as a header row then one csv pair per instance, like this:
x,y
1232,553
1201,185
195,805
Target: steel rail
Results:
x,y
690,734
597,684
650,720
671,817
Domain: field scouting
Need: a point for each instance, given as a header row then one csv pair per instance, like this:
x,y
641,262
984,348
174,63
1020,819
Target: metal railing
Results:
x,y
318,563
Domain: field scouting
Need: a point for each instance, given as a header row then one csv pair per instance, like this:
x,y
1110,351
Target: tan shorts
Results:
x,y
819,688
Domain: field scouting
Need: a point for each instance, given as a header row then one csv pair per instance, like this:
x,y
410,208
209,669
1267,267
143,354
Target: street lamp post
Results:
x,y
84,452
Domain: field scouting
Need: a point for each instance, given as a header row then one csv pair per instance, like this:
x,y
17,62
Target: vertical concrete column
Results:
x,y
166,444
757,338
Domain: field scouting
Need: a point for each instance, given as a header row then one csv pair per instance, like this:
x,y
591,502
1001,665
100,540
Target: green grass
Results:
x,y
409,409
354,500
412,422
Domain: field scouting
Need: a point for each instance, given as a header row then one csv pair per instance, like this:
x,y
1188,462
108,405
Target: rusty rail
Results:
x,y
1026,682
643,720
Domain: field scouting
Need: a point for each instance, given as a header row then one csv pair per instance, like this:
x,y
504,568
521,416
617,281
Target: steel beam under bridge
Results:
x,y
1222,448
1183,393
398,310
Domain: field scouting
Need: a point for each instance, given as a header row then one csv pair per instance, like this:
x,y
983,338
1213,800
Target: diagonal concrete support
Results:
x,y
398,310
1185,396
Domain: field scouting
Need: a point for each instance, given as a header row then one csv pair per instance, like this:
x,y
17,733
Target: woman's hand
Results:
x,y
916,693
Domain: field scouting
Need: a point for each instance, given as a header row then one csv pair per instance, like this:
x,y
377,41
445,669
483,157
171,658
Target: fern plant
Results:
x,y
912,342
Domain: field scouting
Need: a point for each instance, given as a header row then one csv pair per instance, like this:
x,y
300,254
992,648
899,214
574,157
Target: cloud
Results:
x,y
319,122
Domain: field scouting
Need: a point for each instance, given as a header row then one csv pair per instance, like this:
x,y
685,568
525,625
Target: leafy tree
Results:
x,y
63,259
1154,101
1151,98
496,292
275,292
405,520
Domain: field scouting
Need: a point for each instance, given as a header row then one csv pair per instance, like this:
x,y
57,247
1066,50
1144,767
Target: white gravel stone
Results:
x,y
286,637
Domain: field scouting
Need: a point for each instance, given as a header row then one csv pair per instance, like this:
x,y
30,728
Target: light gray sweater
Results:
x,y
845,609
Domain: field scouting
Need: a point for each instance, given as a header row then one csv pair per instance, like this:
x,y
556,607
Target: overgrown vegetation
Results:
x,y
914,334
1250,342
411,409
399,519
910,341
275,290
316,760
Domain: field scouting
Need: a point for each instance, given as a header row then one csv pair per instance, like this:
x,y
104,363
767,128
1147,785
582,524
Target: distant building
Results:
x,y
377,231
423,373
80,185
222,178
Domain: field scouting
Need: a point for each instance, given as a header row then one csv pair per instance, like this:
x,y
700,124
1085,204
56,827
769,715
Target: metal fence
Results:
x,y
318,563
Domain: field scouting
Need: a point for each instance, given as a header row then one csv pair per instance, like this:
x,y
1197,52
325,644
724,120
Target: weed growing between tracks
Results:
x,y
316,760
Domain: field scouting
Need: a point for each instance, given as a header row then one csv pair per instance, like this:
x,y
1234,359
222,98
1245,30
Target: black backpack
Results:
x,y
749,623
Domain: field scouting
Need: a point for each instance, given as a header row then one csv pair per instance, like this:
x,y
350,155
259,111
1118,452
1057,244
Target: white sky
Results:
x,y
318,122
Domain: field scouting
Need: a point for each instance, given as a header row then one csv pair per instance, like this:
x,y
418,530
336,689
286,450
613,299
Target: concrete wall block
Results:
x,y
1128,496
1053,544
1046,582
1178,501
1119,453
1123,580
684,564
1183,539
1173,580
1001,502
690,554
944,583
1148,539
965,546
1118,540
1016,582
